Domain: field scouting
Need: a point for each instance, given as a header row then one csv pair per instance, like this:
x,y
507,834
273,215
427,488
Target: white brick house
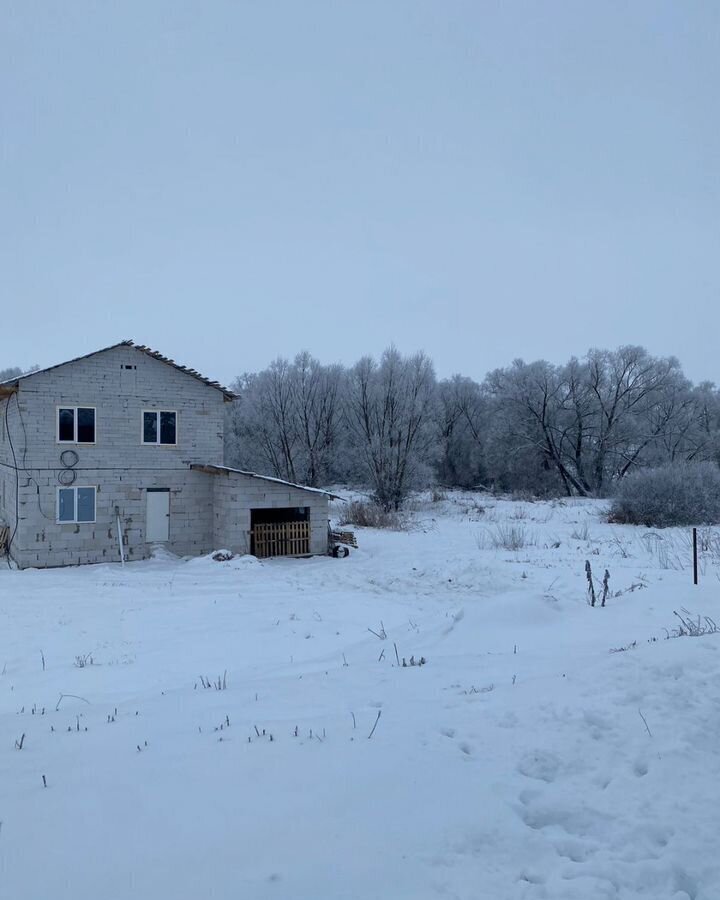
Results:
x,y
124,448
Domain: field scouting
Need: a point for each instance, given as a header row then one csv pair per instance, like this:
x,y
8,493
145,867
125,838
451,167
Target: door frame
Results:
x,y
156,490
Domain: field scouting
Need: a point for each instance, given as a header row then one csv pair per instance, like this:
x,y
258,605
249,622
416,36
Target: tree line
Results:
x,y
391,426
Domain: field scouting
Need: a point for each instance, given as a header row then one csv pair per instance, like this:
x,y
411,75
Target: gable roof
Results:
x,y
227,470
141,348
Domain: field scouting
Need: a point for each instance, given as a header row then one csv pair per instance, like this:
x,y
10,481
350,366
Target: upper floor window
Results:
x,y
76,424
159,426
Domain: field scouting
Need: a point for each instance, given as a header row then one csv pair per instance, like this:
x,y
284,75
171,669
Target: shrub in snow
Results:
x,y
693,626
679,494
507,537
369,514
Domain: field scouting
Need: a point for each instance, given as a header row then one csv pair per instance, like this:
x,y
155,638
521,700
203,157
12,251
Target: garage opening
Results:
x,y
280,532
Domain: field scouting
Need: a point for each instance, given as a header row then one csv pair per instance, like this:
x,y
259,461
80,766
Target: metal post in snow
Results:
x,y
695,557
120,542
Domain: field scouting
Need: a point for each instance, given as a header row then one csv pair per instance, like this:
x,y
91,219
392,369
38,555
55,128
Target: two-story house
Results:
x,y
108,455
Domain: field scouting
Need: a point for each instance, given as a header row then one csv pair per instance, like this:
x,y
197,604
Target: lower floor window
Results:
x,y
76,504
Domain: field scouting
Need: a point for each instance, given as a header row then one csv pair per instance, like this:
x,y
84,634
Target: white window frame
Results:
x,y
75,408
157,413
75,488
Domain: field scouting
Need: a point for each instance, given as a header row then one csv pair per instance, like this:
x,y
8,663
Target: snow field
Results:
x,y
523,761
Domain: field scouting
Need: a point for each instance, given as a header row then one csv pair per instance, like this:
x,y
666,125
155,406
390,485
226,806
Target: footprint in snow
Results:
x,y
657,834
529,796
540,765
574,850
507,720
532,877
599,726
576,820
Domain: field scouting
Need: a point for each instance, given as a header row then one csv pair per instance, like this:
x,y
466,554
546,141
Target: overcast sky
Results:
x,y
232,181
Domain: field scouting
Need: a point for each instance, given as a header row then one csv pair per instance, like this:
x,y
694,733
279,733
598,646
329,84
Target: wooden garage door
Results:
x,y
281,539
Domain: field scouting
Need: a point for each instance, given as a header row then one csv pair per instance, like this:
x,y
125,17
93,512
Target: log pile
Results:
x,y
344,537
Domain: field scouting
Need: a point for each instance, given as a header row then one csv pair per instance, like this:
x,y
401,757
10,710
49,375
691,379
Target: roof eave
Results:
x,y
211,469
228,395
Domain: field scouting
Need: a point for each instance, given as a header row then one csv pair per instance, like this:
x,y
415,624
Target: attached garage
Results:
x,y
284,531
266,516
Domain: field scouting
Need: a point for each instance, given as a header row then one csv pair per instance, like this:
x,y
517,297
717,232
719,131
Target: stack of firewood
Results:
x,y
344,537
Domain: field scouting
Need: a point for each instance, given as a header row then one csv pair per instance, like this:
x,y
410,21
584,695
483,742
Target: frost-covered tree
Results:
x,y
532,408
316,399
594,420
286,420
628,387
578,428
388,413
694,434
12,372
461,416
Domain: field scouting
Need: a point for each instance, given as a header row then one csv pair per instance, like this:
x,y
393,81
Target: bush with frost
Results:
x,y
677,494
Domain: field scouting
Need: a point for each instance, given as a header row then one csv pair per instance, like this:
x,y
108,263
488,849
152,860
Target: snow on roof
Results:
x,y
227,470
142,349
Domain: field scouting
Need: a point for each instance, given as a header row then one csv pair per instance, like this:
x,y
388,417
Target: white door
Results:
x,y
157,521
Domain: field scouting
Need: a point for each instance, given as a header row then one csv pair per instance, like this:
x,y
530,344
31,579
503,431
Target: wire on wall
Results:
x,y
11,538
24,465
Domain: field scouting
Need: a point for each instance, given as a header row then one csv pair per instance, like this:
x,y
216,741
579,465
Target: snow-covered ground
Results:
x,y
523,760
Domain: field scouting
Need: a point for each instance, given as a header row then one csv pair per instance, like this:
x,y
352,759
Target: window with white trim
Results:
x,y
76,424
159,426
76,505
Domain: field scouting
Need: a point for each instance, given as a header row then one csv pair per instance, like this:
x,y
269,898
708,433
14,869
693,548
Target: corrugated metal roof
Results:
x,y
227,470
140,348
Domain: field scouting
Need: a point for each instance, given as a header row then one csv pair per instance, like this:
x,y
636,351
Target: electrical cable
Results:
x,y
25,468
11,537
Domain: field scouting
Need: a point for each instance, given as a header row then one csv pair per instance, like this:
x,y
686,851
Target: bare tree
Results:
x,y
387,411
627,385
262,432
461,419
532,399
15,372
594,420
286,419
315,392
578,428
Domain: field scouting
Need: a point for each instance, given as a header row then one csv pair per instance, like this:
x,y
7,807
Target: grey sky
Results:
x,y
232,181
